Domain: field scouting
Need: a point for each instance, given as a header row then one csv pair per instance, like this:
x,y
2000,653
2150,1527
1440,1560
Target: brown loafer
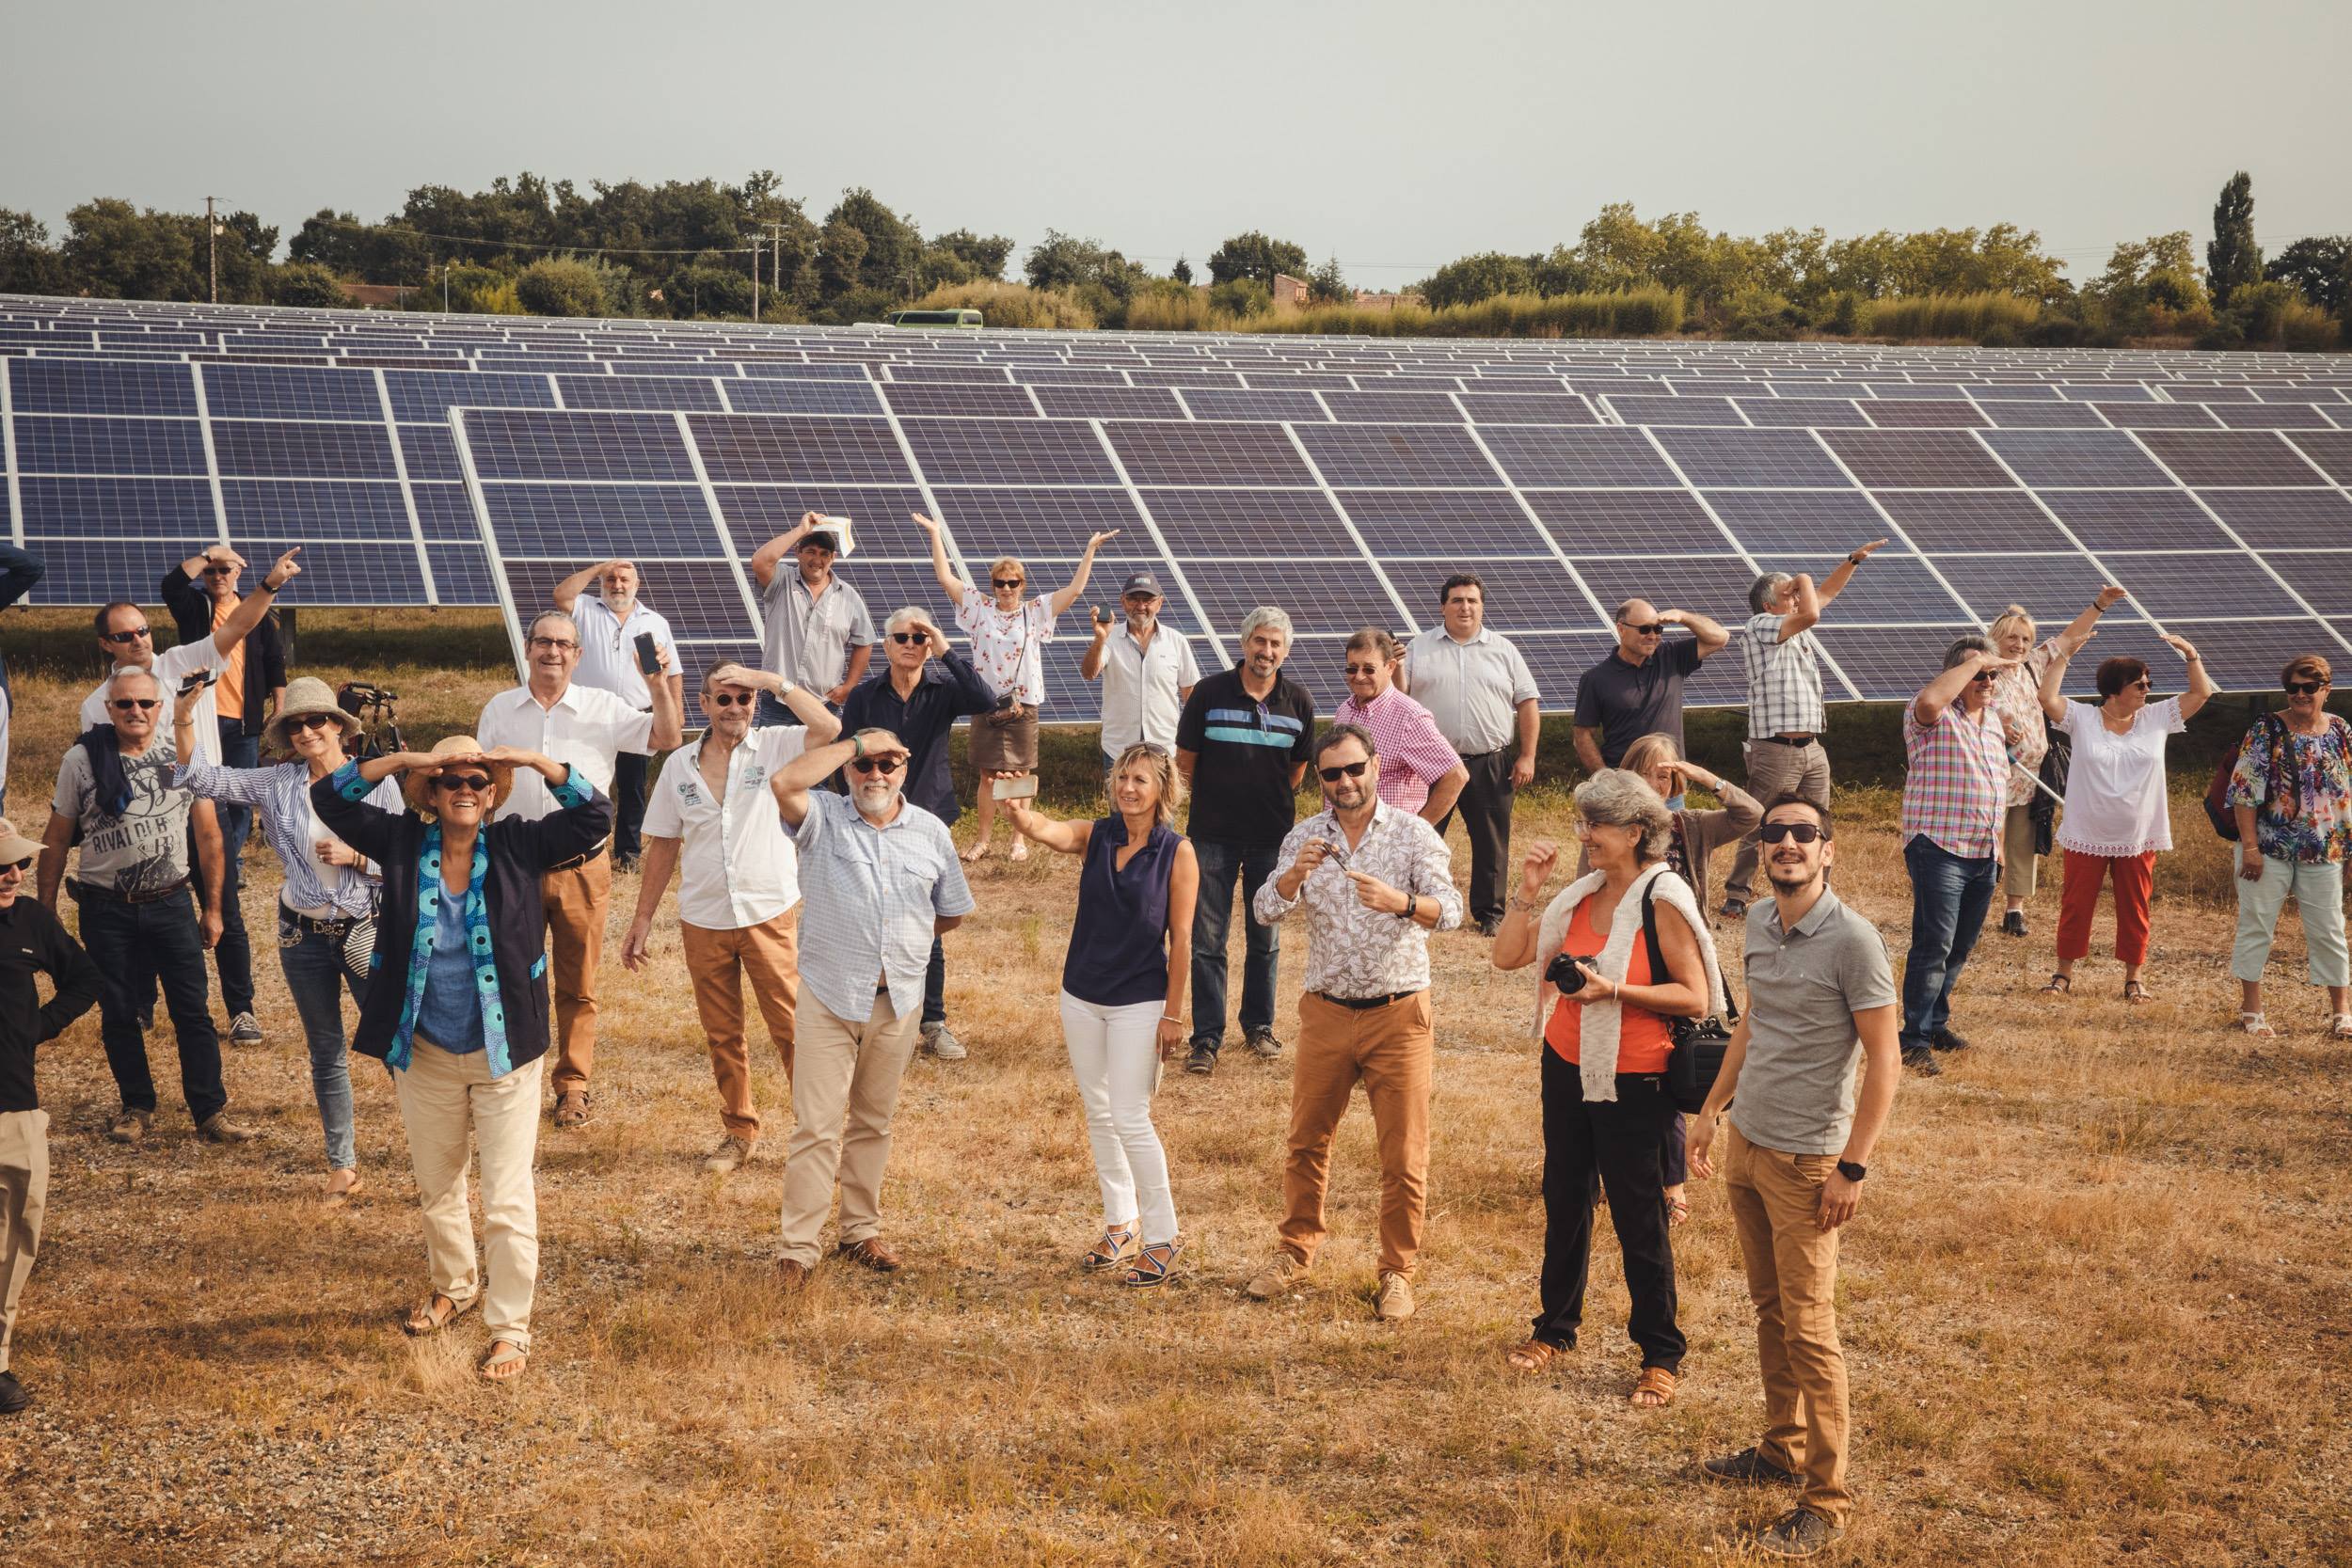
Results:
x,y
571,1108
872,1252
792,1275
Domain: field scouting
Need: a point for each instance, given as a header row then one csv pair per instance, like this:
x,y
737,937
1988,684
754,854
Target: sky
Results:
x,y
1394,136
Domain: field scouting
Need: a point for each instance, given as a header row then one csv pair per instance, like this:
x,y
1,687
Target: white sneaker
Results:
x,y
941,1043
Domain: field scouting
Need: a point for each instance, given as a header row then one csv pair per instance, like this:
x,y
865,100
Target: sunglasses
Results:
x,y
222,571
728,699
25,865
125,704
1005,583
476,782
1984,677
1804,832
905,639
2145,684
309,720
2306,689
131,635
1344,770
1363,669
1655,628
878,765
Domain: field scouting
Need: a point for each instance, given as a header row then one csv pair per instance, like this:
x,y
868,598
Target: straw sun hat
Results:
x,y
14,845
307,695
418,786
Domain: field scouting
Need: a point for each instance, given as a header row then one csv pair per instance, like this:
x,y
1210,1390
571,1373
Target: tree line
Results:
x,y
707,250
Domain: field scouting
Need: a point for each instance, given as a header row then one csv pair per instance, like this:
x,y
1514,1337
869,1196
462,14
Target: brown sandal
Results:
x,y
1532,1356
2060,985
424,1321
505,1361
1654,1381
2135,991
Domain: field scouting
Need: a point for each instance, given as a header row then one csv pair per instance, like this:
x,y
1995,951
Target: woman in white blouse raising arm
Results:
x,y
2116,817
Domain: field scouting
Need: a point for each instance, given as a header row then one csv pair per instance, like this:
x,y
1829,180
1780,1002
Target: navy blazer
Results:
x,y
520,853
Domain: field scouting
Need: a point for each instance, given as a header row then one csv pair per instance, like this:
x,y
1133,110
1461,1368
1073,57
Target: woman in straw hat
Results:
x,y
459,1009
326,902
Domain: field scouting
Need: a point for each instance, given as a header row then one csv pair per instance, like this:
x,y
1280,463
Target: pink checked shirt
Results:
x,y
1958,786
1413,755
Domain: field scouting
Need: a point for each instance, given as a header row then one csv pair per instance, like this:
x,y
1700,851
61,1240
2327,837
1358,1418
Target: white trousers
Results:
x,y
1115,1055
2318,891
442,1098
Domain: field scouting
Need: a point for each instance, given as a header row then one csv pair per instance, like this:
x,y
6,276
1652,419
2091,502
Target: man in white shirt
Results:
x,y
1147,672
129,644
586,728
711,813
608,629
819,632
1478,687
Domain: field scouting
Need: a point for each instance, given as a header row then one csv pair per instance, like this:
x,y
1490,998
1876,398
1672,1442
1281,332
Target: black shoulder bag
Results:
x,y
1698,1042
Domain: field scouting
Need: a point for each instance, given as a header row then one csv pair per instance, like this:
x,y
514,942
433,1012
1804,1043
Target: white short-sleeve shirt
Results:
x,y
1140,686
1005,646
172,666
736,862
585,728
607,648
2115,803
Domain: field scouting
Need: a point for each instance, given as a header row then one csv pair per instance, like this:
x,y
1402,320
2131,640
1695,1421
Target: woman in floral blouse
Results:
x,y
2291,792
2017,702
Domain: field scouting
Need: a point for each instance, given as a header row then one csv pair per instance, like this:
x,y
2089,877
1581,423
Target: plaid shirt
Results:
x,y
1413,755
1958,785
1784,679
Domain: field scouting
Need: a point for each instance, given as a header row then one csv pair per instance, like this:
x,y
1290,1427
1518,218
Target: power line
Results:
x,y
523,245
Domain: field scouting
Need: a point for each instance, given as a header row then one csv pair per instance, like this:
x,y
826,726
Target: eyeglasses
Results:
x,y
905,639
131,635
309,720
1363,669
1984,677
221,571
1804,832
1005,583
561,644
1141,601
878,765
2306,689
1655,628
125,704
1344,770
25,865
475,782
728,699
2144,683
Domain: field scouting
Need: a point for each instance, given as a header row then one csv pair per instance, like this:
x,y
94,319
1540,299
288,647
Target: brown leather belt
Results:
x,y
85,891
579,861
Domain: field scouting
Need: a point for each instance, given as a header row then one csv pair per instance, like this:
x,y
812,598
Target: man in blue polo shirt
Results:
x,y
1242,745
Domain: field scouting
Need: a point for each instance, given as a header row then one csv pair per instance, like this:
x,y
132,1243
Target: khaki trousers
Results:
x,y
716,961
845,1088
1390,1050
576,901
442,1097
23,1198
1792,1278
1775,770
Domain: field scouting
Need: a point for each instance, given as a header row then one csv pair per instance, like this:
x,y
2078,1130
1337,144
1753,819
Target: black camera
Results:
x,y
1564,977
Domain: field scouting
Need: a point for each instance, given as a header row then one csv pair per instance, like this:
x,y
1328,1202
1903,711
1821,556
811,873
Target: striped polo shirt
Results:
x,y
1244,752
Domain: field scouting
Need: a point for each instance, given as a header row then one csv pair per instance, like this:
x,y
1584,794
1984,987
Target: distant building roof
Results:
x,y
376,297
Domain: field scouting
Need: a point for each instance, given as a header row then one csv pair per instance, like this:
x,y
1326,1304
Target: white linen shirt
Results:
x,y
607,648
1472,689
2115,801
172,666
586,728
737,863
1140,686
1005,646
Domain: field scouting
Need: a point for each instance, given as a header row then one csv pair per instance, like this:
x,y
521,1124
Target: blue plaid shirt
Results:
x,y
868,897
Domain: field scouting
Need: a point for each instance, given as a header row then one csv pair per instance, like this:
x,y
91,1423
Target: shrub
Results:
x,y
1011,305
306,283
1180,309
561,286
1966,316
1629,313
2308,329
1760,315
1244,297
704,290
2261,309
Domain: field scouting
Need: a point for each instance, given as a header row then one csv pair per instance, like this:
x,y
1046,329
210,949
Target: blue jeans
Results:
x,y
935,985
1949,898
1220,862
232,956
316,978
136,947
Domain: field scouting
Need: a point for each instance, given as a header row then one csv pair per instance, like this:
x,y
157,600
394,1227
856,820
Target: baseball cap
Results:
x,y
1142,582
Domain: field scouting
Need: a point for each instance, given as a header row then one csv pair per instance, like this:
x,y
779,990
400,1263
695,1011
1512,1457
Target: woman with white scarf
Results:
x,y
1605,1043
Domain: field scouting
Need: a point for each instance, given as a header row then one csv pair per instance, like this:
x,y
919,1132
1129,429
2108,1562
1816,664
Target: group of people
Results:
x,y
459,897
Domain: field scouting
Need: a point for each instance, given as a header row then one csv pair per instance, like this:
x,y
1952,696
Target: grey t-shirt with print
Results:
x,y
1796,1089
146,847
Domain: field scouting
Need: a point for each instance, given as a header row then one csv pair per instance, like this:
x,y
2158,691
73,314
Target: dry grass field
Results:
x,y
2096,1304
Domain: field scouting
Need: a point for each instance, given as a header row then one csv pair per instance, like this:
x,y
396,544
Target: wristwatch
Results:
x,y
1851,1171
1412,905
1857,559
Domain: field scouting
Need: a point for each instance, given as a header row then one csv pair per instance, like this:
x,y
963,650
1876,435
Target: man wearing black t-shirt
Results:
x,y
1637,689
1242,745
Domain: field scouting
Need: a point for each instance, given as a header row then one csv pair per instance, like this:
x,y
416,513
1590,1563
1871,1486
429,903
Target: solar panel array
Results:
x,y
462,460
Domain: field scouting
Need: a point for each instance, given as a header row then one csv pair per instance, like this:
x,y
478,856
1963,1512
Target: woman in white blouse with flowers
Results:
x,y
1007,629
2117,818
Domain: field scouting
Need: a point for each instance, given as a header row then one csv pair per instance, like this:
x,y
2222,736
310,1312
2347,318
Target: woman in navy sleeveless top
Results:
x,y
1122,997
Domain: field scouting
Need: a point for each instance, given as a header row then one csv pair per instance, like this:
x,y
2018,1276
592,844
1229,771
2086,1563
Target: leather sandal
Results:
x,y
1656,1381
505,1361
1532,1356
2256,1025
2060,985
1153,1265
424,1321
1118,1246
2135,991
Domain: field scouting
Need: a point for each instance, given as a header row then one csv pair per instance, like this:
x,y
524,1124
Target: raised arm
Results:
x,y
567,593
1515,939
254,605
1090,666
669,705
791,782
1836,583
807,705
1711,635
1808,606
2052,690
2200,685
1942,692
1067,594
766,559
19,573
244,786
2081,626
1071,838
950,584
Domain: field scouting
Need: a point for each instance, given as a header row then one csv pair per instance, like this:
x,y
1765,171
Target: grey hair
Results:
x,y
1764,590
545,615
140,670
1266,615
1964,647
903,617
1623,800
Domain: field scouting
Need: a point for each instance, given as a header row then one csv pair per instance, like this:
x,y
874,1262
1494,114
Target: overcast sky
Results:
x,y
1394,135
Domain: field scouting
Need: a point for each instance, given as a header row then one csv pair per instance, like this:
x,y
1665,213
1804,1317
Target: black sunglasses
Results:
x,y
1344,770
131,635
25,865
2306,689
1984,677
309,720
1005,583
125,704
1804,832
476,782
1655,628
728,699
878,765
905,637
222,571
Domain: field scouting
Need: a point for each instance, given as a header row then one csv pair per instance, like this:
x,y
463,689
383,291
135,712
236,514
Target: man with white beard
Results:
x,y
879,879
1147,671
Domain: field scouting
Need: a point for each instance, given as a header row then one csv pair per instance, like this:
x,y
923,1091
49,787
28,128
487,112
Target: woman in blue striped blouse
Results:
x,y
326,906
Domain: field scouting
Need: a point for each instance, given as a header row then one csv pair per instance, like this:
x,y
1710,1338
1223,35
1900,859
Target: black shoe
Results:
x,y
1202,1061
1734,908
13,1395
625,862
1262,1040
1919,1059
1490,925
1747,1465
1944,1040
2014,924
1798,1532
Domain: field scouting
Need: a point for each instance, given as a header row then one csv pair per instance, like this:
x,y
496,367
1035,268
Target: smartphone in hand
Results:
x,y
649,654
1022,788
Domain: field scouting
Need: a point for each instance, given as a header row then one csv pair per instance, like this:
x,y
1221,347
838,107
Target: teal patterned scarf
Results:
x,y
485,975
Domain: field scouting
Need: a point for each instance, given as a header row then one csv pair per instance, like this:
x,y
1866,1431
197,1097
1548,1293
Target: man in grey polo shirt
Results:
x,y
1479,690
1820,994
819,632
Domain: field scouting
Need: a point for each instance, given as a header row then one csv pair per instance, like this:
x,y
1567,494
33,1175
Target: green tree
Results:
x,y
961,255
840,258
29,264
2233,259
2316,267
117,252
1181,272
703,288
306,283
891,263
1254,255
1476,277
1241,296
561,287
1328,285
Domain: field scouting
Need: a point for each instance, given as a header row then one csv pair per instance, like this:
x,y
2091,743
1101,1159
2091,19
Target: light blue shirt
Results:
x,y
869,896
449,1013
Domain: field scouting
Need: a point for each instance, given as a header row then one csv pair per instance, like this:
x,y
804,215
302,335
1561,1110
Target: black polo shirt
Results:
x,y
1243,751
33,942
1625,701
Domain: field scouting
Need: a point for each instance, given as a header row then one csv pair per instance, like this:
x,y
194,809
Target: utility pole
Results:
x,y
211,255
755,280
775,256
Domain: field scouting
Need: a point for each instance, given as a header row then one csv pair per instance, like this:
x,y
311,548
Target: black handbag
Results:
x,y
1699,1043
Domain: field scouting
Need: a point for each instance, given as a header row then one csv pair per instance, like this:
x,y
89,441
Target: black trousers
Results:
x,y
1596,1147
1484,807
628,802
